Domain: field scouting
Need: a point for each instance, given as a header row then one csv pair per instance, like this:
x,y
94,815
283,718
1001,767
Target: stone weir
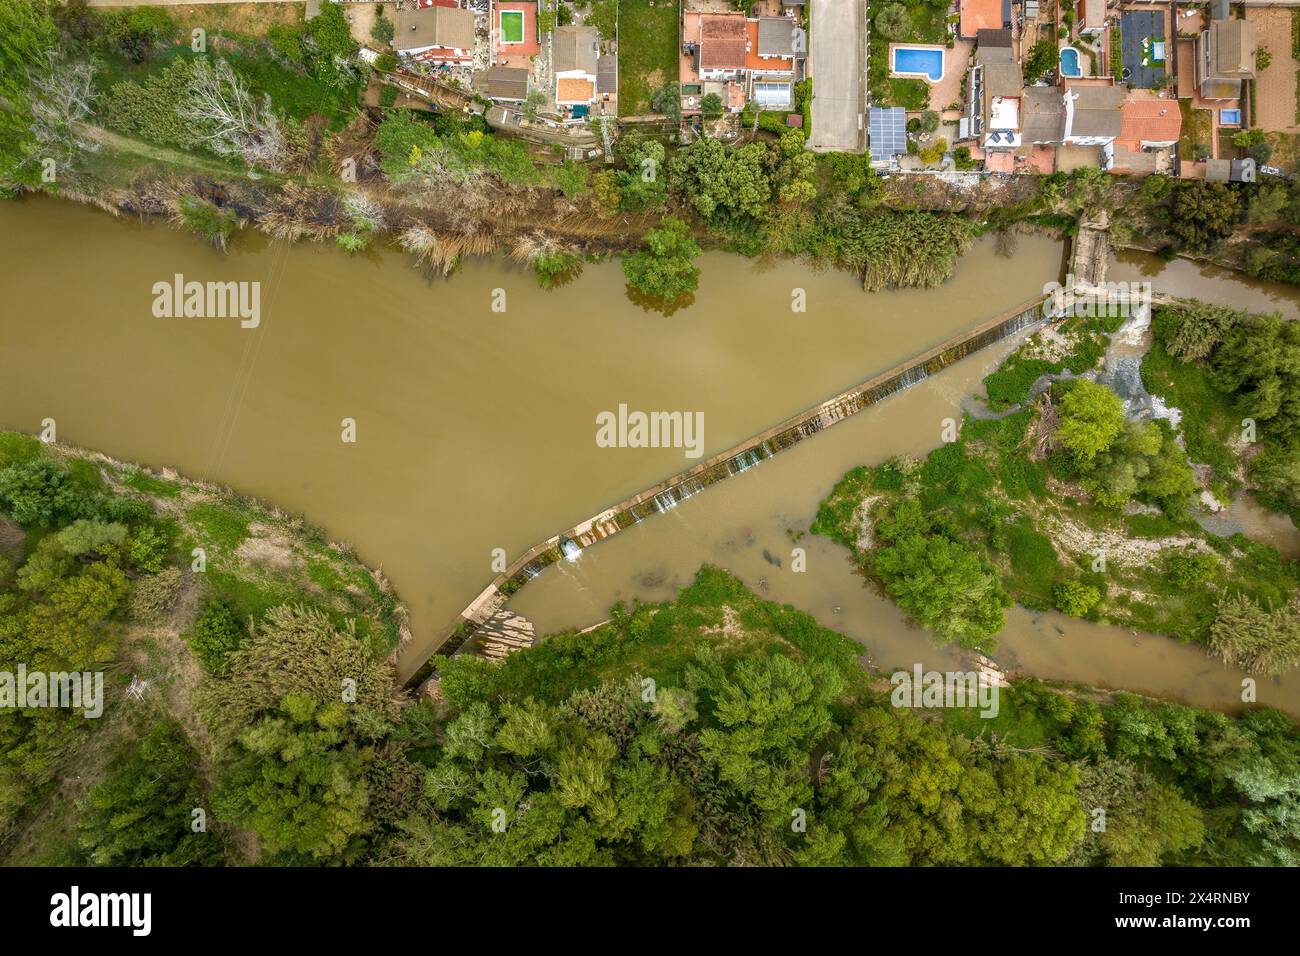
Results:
x,y
727,464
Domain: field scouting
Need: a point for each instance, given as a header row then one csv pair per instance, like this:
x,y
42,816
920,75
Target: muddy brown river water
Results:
x,y
476,429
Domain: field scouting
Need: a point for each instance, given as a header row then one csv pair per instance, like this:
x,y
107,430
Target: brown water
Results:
x,y
476,429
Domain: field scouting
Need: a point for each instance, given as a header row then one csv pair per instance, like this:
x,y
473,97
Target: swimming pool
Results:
x,y
923,61
1070,62
1229,117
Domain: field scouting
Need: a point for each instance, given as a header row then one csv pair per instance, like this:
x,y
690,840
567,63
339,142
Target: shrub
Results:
x,y
1075,599
1189,570
155,594
217,634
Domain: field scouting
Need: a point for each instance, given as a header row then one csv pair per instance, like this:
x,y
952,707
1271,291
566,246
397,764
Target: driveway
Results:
x,y
835,35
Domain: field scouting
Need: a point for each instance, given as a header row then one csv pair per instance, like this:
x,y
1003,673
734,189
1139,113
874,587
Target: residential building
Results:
x,y
1225,56
1092,16
994,89
770,61
1042,121
740,59
435,35
508,83
1149,130
719,44
977,15
575,55
1093,114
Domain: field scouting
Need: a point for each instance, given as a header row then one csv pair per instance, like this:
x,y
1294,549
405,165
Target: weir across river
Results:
x,y
669,493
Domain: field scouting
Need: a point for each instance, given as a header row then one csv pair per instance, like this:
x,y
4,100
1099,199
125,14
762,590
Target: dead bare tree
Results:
x,y
62,96
229,118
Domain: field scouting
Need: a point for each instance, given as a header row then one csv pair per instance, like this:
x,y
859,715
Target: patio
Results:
x,y
1145,49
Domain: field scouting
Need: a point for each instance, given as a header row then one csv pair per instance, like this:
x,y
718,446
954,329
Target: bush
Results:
x,y
155,594
1075,599
1190,570
217,635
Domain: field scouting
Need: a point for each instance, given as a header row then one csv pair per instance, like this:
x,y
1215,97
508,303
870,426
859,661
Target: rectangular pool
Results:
x,y
923,61
512,26
1229,117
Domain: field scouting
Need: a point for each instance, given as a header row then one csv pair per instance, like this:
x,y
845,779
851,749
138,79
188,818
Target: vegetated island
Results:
x,y
1064,501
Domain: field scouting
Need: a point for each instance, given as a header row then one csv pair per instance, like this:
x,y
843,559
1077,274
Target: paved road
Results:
x,y
835,60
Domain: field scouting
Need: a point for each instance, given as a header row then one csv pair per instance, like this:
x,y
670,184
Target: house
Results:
x,y
977,15
1148,121
1093,114
720,45
994,89
770,61
607,75
509,83
1042,120
886,133
1225,56
435,34
1149,130
575,62
1092,17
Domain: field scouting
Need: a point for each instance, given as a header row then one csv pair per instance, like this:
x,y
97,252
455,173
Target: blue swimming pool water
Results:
x,y
1070,62
921,61
1230,117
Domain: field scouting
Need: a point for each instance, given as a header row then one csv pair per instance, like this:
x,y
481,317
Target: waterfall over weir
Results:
x,y
669,494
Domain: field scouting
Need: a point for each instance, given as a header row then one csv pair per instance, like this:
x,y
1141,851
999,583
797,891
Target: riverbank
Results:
x,y
1076,500
162,585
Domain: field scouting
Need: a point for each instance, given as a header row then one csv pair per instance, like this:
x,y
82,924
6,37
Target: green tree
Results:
x,y
141,814
218,633
1202,214
27,34
1092,417
892,22
299,782
665,269
711,106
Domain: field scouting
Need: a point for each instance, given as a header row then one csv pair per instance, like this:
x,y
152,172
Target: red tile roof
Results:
x,y
724,41
1149,120
979,15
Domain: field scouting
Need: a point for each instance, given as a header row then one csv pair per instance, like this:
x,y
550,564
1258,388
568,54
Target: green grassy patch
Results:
x,y
1209,420
219,526
138,480
647,52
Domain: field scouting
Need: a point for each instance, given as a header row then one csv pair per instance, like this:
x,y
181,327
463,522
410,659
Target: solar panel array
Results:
x,y
887,127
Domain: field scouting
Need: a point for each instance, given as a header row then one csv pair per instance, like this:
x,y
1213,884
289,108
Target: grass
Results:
x,y
220,526
137,480
1195,141
1209,420
1010,384
647,52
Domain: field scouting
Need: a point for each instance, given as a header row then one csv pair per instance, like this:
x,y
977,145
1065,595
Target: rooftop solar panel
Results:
x,y
887,128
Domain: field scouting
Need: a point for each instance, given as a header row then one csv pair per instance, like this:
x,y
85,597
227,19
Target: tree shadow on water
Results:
x,y
652,303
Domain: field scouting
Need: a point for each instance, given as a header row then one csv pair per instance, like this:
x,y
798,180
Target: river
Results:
x,y
476,428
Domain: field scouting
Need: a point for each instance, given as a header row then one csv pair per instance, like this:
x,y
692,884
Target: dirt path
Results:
x,y
125,144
